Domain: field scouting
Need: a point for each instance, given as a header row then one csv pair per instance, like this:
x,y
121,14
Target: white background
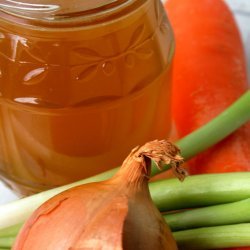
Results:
x,y
241,9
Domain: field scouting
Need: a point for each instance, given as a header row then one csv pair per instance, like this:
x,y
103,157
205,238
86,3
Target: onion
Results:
x,y
113,214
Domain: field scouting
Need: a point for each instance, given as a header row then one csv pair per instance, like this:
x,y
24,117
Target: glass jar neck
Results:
x,y
64,13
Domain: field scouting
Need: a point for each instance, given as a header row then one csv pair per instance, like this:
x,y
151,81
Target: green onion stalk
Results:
x,y
214,237
196,239
199,190
217,200
224,214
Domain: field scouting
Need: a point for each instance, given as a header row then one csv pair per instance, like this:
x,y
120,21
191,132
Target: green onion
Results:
x,y
200,190
225,214
215,130
214,237
10,231
201,238
6,242
195,191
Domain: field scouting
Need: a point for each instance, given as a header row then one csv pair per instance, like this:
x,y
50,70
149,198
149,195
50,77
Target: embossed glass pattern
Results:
x,y
79,89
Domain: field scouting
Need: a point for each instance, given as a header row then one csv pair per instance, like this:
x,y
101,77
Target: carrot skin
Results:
x,y
209,74
209,70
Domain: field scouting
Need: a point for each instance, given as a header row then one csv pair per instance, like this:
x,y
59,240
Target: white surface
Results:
x,y
241,9
6,195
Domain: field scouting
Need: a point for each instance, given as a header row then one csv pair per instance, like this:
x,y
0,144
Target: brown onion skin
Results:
x,y
114,214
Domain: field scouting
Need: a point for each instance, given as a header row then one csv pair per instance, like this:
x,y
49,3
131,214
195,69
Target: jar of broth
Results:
x,y
81,84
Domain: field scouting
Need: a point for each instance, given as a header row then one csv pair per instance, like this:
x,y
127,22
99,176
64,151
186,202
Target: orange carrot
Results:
x,y
209,74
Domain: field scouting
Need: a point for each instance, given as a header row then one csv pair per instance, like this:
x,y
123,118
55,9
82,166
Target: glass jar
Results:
x,y
81,84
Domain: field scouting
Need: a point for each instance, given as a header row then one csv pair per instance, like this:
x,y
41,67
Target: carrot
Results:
x,y
209,73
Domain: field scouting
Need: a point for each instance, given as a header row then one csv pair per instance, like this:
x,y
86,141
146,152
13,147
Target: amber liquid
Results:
x,y
75,101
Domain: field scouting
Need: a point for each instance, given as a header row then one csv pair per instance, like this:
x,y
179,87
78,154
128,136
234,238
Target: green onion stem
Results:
x,y
220,127
215,130
6,242
10,231
195,191
201,238
214,237
218,215
8,235
234,212
200,190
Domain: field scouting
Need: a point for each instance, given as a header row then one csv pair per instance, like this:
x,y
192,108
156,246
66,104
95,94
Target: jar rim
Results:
x,y
61,12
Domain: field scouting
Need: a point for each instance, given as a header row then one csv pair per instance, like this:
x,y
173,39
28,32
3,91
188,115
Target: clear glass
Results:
x,y
81,84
